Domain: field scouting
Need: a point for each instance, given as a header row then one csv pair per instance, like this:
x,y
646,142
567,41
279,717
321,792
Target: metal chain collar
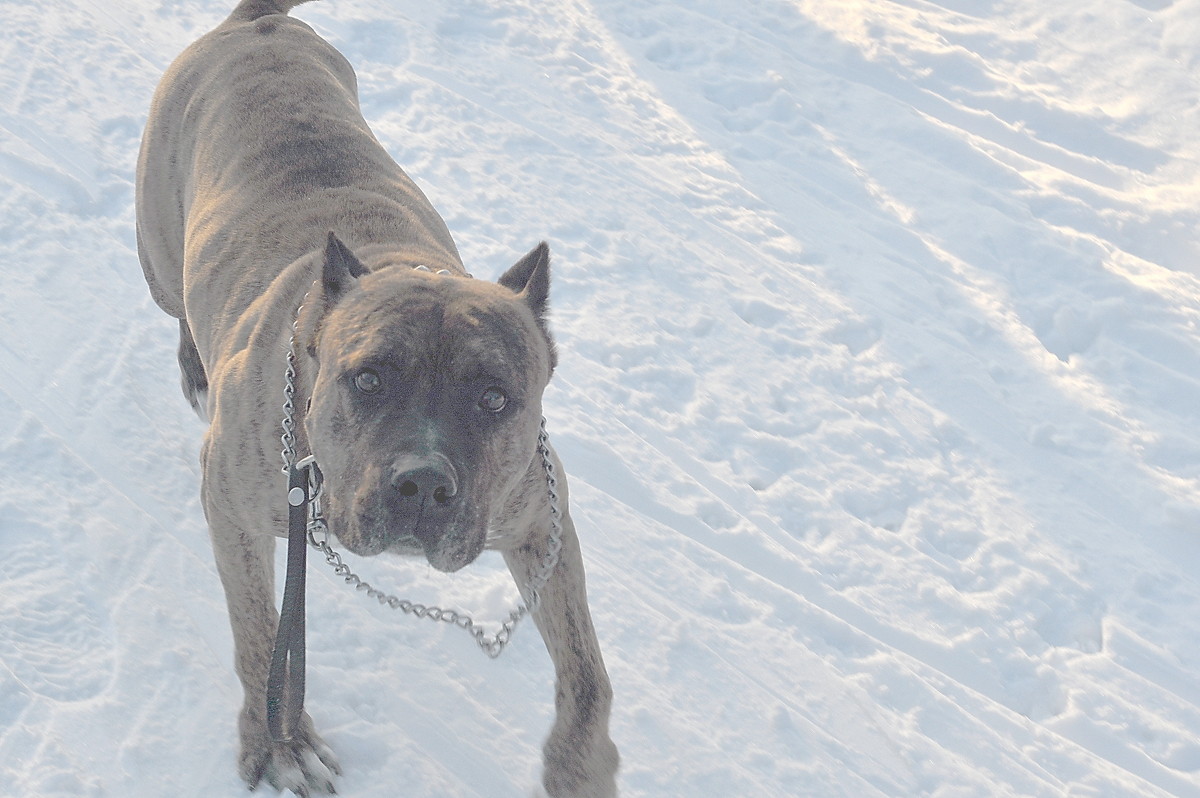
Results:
x,y
492,645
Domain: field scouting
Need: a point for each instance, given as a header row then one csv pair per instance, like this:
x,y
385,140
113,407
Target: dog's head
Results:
x,y
426,400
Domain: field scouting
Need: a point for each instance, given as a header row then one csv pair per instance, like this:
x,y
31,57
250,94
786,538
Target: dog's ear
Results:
x,y
341,269
339,273
529,278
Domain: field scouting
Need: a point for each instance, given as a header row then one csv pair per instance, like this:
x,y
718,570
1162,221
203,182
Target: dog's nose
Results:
x,y
427,483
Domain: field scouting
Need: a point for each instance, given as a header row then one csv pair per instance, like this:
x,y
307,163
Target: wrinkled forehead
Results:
x,y
449,326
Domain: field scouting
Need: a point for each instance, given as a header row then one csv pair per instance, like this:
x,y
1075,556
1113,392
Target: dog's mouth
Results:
x,y
449,559
371,530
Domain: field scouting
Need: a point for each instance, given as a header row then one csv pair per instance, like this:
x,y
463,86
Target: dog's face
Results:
x,y
426,402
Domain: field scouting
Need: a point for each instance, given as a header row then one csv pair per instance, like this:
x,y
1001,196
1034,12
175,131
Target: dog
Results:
x,y
269,216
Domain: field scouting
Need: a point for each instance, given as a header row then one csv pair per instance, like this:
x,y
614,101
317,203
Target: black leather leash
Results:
x,y
285,682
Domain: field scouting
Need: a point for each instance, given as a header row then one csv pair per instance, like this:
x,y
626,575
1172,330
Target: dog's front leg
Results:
x,y
245,564
579,758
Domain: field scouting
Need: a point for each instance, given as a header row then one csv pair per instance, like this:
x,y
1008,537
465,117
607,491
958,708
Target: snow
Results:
x,y
879,391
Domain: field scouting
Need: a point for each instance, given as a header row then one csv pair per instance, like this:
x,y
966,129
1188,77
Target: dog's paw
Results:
x,y
305,764
573,768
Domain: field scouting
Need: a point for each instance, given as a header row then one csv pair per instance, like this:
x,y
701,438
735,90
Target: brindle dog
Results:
x,y
419,393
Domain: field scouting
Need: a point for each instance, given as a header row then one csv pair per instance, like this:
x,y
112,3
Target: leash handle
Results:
x,y
285,681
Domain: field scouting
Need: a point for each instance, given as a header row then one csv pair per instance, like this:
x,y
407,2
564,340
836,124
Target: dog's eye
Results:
x,y
368,381
493,400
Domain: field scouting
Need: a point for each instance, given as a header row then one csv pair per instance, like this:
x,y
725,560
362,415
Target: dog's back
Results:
x,y
163,195
255,144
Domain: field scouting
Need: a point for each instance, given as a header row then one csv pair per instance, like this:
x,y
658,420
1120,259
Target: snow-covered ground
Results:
x,y
880,390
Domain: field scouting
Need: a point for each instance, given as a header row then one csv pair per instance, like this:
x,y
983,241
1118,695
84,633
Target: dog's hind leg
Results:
x,y
579,758
193,378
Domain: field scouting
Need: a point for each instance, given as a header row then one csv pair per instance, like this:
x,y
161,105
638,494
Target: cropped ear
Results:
x,y
529,278
341,269
339,274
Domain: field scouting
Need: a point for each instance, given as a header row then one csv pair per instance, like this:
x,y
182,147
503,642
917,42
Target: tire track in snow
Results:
x,y
629,20
801,597
904,674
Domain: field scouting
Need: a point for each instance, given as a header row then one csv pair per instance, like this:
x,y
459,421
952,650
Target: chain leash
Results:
x,y
492,645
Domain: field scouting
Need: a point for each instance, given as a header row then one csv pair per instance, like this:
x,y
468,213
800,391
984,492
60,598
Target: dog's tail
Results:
x,y
250,10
